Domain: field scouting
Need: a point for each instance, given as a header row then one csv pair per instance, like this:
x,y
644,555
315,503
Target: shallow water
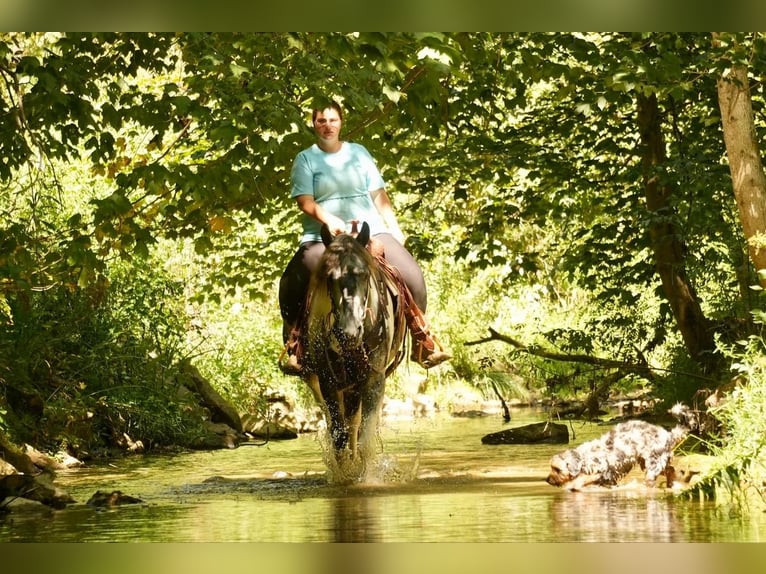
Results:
x,y
437,483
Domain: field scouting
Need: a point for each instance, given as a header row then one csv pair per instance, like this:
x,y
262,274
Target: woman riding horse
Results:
x,y
335,182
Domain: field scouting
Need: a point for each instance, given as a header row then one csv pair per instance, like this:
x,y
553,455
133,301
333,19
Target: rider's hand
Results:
x,y
336,225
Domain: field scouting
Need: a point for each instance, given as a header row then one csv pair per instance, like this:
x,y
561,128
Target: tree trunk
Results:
x,y
748,179
665,241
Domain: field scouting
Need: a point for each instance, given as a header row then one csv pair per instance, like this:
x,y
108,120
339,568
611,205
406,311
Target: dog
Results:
x,y
606,460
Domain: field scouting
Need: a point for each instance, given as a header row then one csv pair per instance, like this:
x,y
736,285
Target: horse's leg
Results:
x,y
337,425
326,393
352,415
372,400
354,421
313,383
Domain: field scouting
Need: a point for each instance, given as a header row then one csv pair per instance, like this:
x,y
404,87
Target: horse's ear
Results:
x,y
364,235
326,235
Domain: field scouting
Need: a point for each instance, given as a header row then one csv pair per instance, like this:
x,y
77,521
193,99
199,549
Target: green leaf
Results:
x,y
202,245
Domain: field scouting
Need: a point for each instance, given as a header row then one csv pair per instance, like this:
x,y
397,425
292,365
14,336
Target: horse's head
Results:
x,y
347,267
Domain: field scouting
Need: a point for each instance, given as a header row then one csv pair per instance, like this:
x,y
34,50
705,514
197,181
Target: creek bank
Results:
x,y
27,474
282,419
39,488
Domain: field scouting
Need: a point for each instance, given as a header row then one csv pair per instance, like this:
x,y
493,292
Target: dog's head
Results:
x,y
565,466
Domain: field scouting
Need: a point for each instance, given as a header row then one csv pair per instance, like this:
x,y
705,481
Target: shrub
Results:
x,y
739,469
99,362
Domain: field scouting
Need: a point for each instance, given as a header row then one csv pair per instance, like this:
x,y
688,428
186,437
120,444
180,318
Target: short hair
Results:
x,y
331,104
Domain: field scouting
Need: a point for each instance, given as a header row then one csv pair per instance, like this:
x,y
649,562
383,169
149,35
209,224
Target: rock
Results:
x,y
425,405
542,433
129,444
281,420
418,405
16,457
271,430
472,405
397,409
23,505
7,468
114,498
229,437
311,420
42,460
690,468
67,460
221,411
39,488
218,435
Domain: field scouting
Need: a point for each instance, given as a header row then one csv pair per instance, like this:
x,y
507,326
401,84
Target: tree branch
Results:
x,y
601,390
642,367
413,74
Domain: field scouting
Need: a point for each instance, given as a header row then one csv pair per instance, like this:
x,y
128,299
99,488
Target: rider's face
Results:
x,y
327,124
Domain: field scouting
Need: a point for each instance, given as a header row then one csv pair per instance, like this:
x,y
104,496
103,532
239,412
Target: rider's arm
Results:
x,y
311,208
383,203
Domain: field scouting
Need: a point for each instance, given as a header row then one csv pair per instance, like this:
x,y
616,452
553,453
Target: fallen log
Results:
x,y
534,433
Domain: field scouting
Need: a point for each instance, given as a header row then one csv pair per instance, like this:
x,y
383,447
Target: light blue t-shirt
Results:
x,y
341,183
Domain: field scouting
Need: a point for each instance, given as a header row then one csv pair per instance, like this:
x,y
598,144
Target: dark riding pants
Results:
x,y
295,280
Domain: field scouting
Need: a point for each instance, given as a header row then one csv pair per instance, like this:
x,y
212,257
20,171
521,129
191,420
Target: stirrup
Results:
x,y
433,359
429,358
290,366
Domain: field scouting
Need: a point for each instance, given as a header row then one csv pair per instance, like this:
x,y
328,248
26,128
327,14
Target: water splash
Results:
x,y
371,466
390,469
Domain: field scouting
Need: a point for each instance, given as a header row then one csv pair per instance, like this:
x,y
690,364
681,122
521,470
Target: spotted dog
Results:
x,y
607,459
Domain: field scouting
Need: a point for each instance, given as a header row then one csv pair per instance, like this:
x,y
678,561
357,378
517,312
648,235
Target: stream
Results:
x,y
436,482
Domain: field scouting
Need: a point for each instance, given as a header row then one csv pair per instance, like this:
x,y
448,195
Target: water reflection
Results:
x,y
353,521
447,487
614,517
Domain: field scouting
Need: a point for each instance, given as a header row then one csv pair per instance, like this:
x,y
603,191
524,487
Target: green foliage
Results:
x,y
737,475
84,366
233,330
465,303
237,347
512,141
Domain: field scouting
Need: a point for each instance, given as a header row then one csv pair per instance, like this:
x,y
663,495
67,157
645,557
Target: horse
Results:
x,y
354,338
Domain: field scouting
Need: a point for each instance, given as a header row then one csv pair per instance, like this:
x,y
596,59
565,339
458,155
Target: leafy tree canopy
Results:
x,y
504,149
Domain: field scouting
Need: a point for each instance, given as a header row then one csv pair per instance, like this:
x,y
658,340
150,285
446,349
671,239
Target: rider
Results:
x,y
335,182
